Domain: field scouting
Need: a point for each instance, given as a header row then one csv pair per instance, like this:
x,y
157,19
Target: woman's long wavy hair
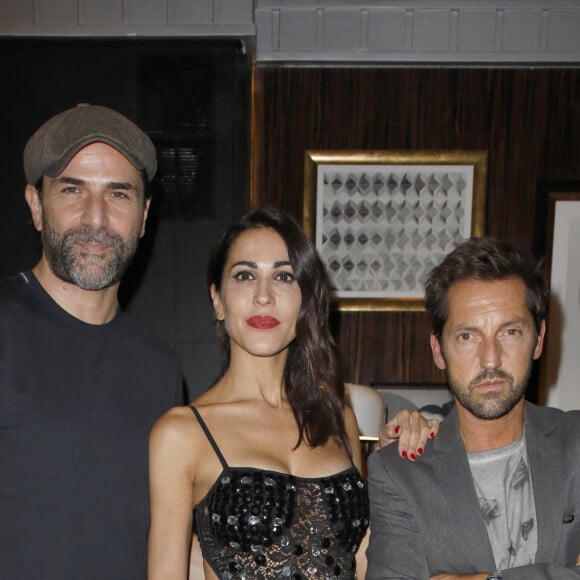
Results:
x,y
313,375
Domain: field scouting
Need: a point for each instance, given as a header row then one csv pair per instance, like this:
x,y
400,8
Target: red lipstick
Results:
x,y
262,322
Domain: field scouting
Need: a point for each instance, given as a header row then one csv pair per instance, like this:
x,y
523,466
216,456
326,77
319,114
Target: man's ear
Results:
x,y
145,214
33,200
217,302
437,351
540,341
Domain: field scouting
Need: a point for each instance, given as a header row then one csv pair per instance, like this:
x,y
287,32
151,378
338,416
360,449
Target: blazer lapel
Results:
x,y
545,458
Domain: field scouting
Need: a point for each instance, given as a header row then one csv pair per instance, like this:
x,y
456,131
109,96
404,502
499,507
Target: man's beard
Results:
x,y
494,404
98,272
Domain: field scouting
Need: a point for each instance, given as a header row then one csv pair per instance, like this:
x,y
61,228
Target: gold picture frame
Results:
x,y
382,219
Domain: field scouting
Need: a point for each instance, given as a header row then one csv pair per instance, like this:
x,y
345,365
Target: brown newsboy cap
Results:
x,y
52,146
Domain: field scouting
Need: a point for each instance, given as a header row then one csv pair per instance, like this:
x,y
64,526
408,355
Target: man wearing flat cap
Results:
x,y
80,383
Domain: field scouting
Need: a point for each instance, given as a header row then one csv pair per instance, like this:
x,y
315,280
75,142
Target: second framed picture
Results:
x,y
382,220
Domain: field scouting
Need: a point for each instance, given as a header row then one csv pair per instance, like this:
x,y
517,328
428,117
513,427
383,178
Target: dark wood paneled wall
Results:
x,y
527,119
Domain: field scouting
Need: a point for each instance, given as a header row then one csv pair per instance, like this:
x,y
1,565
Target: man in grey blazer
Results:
x,y
497,493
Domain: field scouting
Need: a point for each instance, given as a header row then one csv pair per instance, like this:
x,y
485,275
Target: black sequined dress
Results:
x,y
259,524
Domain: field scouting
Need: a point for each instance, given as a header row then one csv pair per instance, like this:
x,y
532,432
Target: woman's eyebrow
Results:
x,y
251,264
244,263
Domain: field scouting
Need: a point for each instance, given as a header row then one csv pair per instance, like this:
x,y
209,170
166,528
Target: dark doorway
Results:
x,y
192,98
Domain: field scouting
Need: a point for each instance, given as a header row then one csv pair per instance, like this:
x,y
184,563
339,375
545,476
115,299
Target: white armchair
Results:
x,y
369,408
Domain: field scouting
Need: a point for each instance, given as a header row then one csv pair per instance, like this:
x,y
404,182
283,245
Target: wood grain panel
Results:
x,y
527,119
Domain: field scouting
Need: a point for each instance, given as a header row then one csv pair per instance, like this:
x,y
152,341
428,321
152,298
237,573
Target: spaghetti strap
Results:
x,y
209,437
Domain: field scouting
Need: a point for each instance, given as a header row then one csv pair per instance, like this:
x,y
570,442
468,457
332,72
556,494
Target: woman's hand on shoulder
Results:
x,y
411,430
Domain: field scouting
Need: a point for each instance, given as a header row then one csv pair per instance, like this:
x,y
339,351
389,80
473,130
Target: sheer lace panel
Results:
x,y
256,524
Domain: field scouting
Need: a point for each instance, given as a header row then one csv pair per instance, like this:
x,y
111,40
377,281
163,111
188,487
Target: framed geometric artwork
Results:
x,y
381,220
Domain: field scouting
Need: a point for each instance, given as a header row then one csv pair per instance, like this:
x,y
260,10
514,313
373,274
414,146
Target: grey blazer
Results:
x,y
425,517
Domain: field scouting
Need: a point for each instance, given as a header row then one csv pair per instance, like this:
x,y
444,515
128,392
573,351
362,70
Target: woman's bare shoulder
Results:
x,y
214,407
176,426
214,396
176,416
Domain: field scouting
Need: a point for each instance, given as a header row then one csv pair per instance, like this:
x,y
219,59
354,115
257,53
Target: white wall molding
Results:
x,y
120,18
422,31
334,31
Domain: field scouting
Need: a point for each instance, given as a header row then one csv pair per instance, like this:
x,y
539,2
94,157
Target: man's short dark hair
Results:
x,y
485,259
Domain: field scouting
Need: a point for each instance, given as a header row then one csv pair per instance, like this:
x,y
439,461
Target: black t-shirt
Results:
x,y
77,402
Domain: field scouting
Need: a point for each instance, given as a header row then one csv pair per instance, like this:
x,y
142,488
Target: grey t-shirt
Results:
x,y
504,488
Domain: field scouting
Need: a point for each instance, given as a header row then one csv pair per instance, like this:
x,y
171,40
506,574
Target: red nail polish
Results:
x,y
412,457
404,454
397,429
431,435
420,451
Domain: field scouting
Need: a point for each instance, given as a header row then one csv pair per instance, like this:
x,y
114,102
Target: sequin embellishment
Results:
x,y
256,524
